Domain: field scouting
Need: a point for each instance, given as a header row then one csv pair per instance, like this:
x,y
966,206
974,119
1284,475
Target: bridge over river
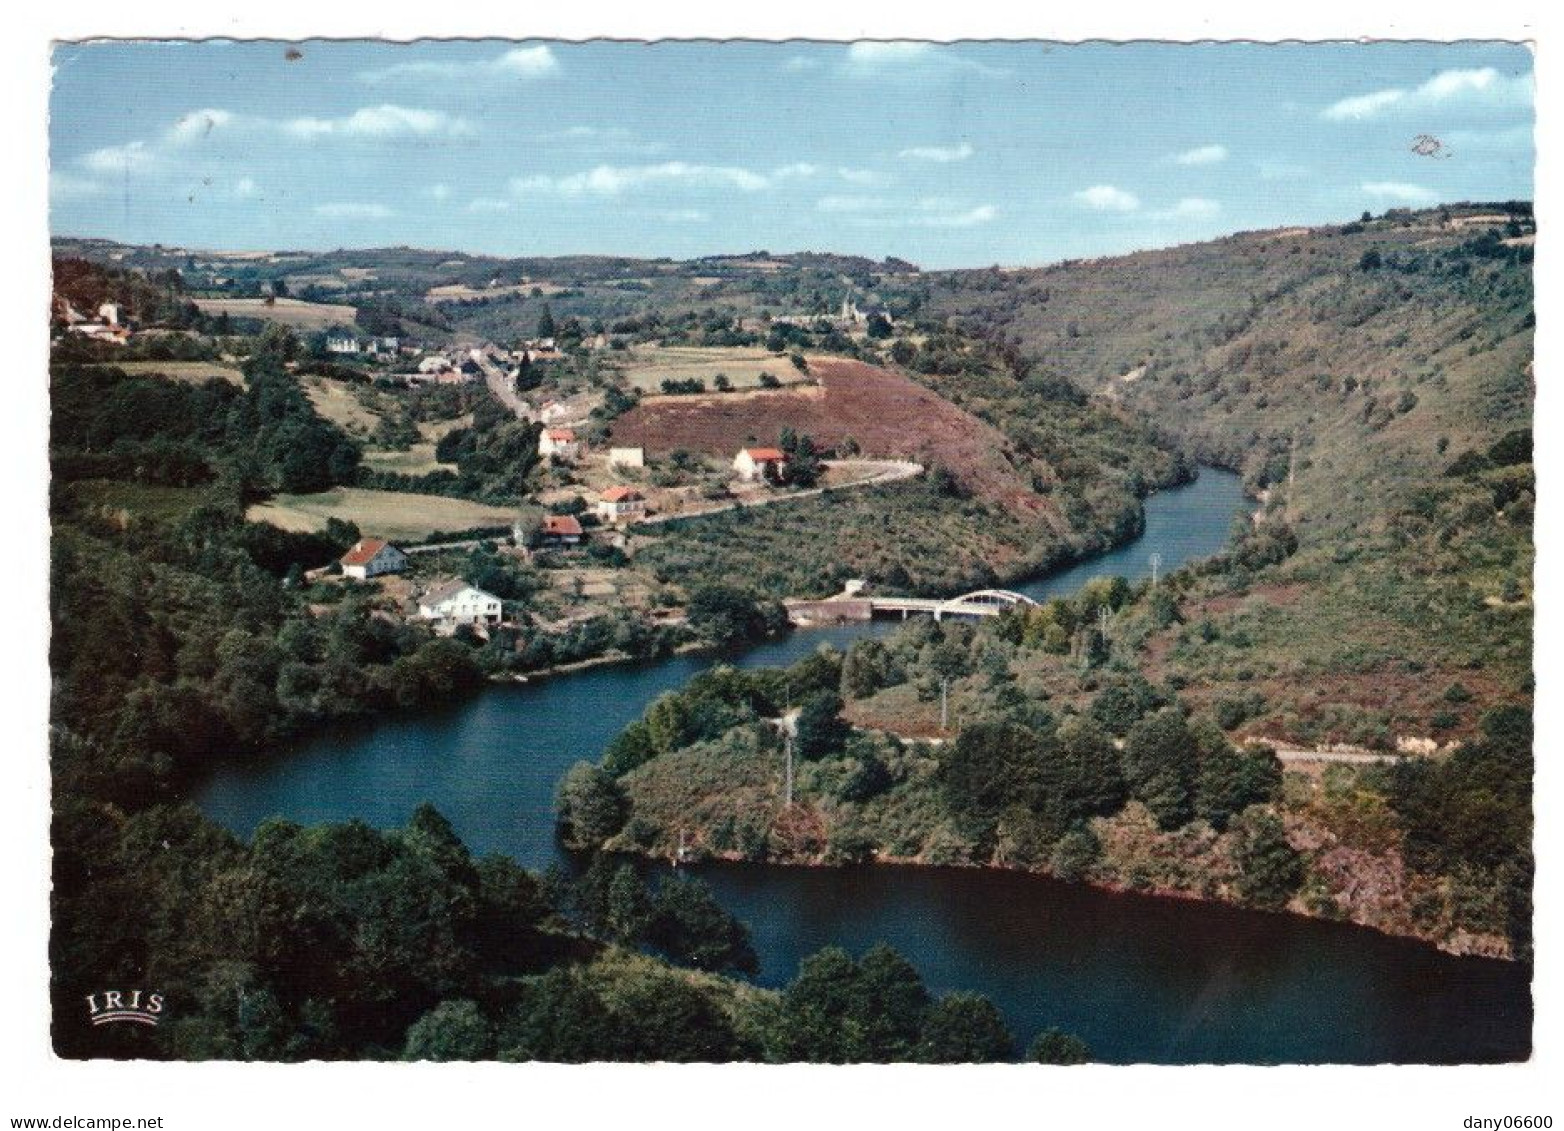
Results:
x,y
854,605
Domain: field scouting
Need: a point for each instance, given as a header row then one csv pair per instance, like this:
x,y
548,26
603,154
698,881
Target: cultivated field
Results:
x,y
461,292
385,514
192,371
886,414
293,312
340,403
647,367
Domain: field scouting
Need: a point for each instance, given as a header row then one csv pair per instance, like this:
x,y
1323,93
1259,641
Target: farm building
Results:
x,y
456,602
756,464
621,504
341,343
626,457
559,444
372,557
560,530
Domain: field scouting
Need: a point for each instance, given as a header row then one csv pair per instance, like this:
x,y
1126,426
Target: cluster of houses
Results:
x,y
350,345
850,316
445,605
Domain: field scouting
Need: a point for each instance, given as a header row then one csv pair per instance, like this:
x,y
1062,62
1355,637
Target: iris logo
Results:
x,y
109,1006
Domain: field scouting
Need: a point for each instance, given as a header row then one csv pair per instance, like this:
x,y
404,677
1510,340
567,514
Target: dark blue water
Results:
x,y
1142,979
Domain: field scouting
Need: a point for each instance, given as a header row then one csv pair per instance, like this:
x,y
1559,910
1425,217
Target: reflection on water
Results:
x,y
1140,979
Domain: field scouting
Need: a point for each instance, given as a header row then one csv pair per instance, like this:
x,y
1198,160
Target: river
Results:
x,y
1141,979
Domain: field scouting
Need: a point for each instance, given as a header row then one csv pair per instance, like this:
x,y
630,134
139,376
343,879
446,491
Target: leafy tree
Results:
x,y
453,1030
1269,869
1229,781
964,1028
690,926
819,730
590,806
1052,1046
724,614
546,327
866,668
1161,766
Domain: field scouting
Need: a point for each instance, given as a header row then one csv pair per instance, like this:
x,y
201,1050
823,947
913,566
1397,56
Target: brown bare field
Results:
x,y
293,312
385,514
647,367
888,415
459,292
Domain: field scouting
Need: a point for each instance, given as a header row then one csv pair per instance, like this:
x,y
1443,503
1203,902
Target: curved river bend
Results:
x,y
1142,979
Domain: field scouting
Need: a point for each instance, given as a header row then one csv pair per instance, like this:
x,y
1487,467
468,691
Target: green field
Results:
x,y
647,367
385,514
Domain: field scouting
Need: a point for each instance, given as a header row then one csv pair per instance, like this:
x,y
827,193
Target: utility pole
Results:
x,y
1156,564
1102,623
944,702
787,744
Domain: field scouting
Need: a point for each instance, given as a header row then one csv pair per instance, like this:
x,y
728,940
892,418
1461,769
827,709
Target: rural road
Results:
x,y
890,471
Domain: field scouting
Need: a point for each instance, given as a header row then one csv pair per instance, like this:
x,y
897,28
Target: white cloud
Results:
x,y
852,204
531,62
353,211
1202,155
856,176
1190,208
887,54
1482,87
941,154
528,62
684,216
130,157
908,58
796,169
1400,191
1108,198
438,192
245,188
613,180
379,122
928,212
489,204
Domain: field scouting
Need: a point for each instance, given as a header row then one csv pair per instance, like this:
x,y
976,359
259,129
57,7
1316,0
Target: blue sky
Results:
x,y
955,155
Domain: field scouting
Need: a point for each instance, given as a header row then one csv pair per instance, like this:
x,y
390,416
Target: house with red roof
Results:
x,y
560,444
561,530
760,464
371,557
621,504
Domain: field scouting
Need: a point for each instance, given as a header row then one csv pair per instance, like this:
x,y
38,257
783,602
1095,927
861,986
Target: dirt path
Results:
x,y
890,471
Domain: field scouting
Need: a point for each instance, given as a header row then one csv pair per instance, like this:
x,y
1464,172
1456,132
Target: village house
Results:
x,y
559,444
387,347
755,465
626,457
621,504
106,329
560,530
456,602
435,363
341,343
371,557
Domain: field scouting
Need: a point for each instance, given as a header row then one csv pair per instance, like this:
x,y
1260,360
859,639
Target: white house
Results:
x,y
756,464
339,343
434,363
559,444
626,457
379,346
371,557
621,504
456,602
